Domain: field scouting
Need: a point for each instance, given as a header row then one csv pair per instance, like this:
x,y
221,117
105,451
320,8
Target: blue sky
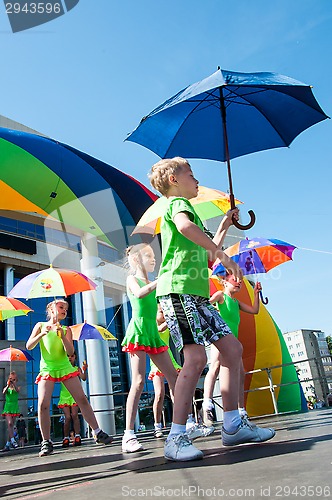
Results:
x,y
88,77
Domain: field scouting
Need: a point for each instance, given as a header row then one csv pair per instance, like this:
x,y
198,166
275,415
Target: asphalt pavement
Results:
x,y
296,463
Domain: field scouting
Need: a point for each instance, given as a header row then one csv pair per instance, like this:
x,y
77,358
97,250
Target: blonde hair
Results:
x,y
133,254
53,303
160,172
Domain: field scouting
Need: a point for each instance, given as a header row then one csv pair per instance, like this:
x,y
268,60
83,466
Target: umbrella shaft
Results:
x,y
223,116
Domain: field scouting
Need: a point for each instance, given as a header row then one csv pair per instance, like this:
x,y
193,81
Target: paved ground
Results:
x,y
296,463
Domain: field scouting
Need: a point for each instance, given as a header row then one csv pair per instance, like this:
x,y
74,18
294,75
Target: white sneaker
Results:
x,y
246,433
208,418
199,430
13,444
179,448
158,433
131,445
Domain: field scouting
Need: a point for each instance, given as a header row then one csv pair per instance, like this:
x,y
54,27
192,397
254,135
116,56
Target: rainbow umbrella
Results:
x,y
13,354
10,307
257,255
52,282
86,331
208,203
73,187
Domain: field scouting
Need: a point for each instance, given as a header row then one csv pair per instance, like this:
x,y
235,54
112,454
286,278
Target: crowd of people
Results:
x,y
176,305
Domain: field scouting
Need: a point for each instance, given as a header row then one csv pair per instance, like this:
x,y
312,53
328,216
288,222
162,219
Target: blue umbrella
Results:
x,y
228,115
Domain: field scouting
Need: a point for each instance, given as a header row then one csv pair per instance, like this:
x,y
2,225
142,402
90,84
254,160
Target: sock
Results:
x,y
96,431
176,429
128,434
243,412
207,404
157,425
78,435
66,437
232,421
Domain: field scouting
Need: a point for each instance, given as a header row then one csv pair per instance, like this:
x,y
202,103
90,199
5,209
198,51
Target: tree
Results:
x,y
329,343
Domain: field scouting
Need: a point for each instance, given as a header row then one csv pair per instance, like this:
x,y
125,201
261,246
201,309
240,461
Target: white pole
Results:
x,y
99,371
9,283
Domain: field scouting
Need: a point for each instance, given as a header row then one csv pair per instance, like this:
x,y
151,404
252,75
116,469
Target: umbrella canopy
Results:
x,y
52,282
10,307
208,203
12,354
257,255
228,115
73,187
85,331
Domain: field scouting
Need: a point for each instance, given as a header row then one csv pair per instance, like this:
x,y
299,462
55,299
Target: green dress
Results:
x,y
11,404
54,362
154,370
142,332
230,313
65,399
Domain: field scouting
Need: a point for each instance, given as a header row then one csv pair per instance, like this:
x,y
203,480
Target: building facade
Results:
x,y
309,352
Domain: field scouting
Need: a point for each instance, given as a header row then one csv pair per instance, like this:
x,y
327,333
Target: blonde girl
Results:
x,y
56,345
142,336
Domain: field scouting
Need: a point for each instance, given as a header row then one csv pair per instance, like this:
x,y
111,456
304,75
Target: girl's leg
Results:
x,y
45,390
212,374
138,366
241,386
165,365
194,363
159,396
74,387
66,424
10,425
76,420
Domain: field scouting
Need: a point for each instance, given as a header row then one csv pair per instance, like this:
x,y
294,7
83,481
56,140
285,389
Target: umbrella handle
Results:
x,y
264,300
237,224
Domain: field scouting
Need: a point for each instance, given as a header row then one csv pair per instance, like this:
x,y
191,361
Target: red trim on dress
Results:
x,y
65,404
60,379
159,374
149,350
10,414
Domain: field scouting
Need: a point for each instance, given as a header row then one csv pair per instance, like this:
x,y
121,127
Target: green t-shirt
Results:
x,y
184,267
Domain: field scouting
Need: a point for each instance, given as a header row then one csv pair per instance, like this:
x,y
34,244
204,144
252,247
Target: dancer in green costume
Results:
x,y
70,408
11,409
142,336
56,344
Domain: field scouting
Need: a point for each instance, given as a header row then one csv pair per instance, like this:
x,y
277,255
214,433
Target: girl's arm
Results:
x,y
195,234
254,308
37,333
224,225
5,389
162,327
67,341
218,296
83,371
138,291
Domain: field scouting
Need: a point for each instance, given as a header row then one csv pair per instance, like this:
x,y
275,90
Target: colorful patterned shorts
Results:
x,y
192,320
